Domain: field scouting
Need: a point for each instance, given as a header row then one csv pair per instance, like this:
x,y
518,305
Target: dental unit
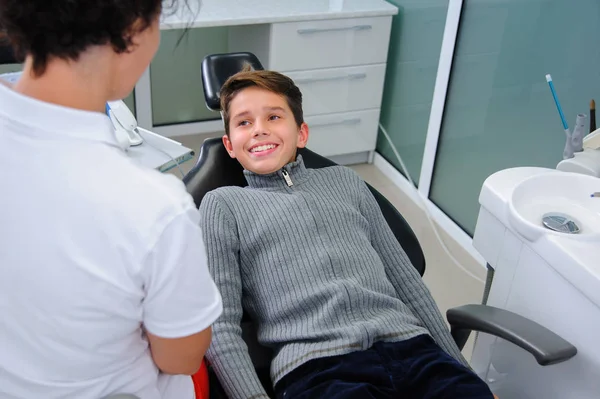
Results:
x,y
539,231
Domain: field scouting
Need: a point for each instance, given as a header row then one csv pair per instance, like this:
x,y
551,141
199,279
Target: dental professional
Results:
x,y
104,285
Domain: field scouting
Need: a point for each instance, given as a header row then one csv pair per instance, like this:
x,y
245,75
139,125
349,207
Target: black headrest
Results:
x,y
215,168
217,68
7,55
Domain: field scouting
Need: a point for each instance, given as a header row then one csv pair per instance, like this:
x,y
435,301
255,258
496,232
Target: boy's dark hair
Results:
x,y
269,80
64,29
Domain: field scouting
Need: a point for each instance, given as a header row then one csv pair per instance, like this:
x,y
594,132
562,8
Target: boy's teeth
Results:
x,y
262,148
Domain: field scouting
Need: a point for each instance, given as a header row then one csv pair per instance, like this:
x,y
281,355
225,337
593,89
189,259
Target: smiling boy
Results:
x,y
310,257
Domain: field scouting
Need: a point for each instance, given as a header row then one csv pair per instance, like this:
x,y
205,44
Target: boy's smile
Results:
x,y
260,150
263,134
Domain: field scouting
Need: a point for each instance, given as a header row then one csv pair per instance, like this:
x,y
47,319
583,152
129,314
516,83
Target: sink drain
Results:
x,y
561,223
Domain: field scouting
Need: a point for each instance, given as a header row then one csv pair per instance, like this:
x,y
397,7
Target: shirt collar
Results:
x,y
52,119
296,172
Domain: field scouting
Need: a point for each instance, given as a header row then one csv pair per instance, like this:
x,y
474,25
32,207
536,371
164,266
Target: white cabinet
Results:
x,y
329,43
343,133
340,89
339,65
336,52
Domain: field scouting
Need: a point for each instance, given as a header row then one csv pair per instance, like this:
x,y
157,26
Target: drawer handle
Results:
x,y
319,30
353,76
348,122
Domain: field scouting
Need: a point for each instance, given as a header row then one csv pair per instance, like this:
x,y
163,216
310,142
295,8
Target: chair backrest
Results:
x,y
217,68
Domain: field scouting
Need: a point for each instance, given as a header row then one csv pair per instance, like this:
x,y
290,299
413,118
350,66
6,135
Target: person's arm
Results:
x,y
180,355
407,282
228,353
181,300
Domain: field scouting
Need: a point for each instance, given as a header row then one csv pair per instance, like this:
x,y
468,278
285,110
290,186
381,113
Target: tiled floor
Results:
x,y
449,285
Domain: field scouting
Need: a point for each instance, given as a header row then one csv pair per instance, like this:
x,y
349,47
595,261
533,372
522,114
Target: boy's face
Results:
x,y
263,135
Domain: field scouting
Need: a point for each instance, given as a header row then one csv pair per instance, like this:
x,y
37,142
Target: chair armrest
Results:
x,y
547,347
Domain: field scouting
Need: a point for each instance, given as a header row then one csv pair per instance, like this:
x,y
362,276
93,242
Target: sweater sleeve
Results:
x,y
228,353
407,282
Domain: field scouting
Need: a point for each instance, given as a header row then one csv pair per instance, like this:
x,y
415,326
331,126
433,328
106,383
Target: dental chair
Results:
x,y
215,168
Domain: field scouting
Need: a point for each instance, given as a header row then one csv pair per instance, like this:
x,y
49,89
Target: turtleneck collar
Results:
x,y
295,171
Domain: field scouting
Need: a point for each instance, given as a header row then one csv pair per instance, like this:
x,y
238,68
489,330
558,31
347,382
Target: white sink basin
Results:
x,y
559,193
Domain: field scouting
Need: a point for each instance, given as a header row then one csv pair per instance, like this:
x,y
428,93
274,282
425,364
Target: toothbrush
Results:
x,y
560,111
568,151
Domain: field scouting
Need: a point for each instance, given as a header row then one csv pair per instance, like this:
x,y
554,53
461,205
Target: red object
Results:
x,y
200,380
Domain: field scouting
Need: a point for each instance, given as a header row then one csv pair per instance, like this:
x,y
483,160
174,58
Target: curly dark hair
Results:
x,y
64,29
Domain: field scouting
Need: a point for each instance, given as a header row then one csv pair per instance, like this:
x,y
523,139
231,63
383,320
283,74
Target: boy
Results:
x,y
104,287
309,255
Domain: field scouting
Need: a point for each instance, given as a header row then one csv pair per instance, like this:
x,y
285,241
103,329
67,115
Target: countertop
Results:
x,y
207,13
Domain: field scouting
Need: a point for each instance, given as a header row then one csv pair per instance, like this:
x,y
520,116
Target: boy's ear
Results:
x,y
228,146
303,135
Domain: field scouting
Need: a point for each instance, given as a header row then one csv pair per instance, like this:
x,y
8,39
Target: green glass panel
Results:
x,y
7,68
499,110
413,57
175,74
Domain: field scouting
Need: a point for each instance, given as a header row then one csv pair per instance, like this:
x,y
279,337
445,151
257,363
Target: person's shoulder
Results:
x,y
336,170
226,194
337,173
160,190
142,198
228,191
123,181
224,199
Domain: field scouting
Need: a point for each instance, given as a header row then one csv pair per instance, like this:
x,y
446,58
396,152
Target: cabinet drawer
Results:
x,y
326,91
343,133
329,43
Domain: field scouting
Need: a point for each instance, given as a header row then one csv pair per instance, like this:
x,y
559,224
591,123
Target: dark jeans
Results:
x,y
413,369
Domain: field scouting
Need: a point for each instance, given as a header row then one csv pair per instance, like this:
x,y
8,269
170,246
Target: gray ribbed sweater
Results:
x,y
316,266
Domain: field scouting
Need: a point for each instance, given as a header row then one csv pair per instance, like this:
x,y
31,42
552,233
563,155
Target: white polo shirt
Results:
x,y
92,247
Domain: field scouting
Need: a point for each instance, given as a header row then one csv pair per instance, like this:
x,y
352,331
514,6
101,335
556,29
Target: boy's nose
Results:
x,y
260,130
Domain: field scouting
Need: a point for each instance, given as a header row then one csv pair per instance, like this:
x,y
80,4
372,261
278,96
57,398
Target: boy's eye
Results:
x,y
243,123
274,117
